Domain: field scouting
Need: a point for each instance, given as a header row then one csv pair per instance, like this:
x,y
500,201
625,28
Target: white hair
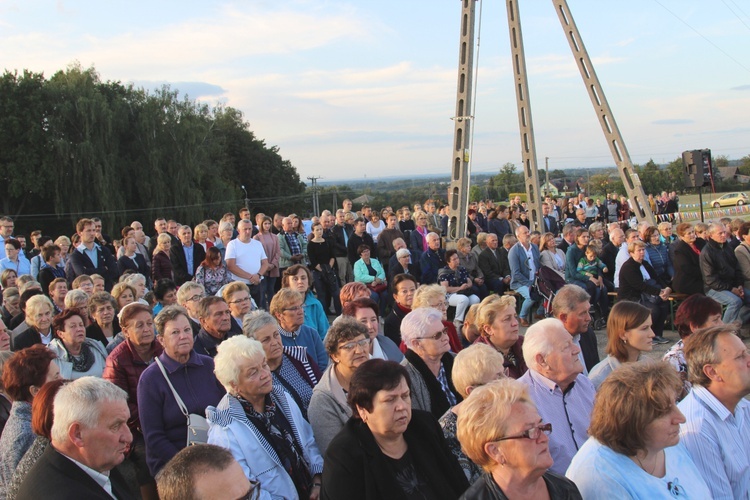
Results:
x,y
228,357
414,324
134,278
402,253
537,339
82,401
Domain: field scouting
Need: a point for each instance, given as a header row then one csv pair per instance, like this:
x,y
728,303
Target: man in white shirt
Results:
x,y
716,432
246,259
90,437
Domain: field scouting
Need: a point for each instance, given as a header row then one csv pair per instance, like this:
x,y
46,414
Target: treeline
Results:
x,y
73,145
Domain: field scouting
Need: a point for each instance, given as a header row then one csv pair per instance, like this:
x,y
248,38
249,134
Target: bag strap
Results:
x,y
182,406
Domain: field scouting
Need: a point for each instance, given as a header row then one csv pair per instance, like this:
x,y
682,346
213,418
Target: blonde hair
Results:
x,y
425,293
474,365
233,287
484,416
489,309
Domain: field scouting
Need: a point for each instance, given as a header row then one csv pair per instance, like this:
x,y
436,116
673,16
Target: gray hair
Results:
x,y
82,401
402,253
433,236
34,306
225,226
537,339
133,278
568,298
28,285
415,324
343,329
169,313
230,353
716,227
186,290
255,320
74,297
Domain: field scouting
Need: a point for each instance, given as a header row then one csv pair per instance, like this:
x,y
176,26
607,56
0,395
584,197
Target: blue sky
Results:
x,y
348,89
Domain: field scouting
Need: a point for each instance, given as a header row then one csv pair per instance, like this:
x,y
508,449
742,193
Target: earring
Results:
x,y
625,341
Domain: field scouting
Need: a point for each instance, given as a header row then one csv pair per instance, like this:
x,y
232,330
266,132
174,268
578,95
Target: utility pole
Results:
x,y
546,168
316,206
247,200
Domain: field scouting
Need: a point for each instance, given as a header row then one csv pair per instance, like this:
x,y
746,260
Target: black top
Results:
x,y
558,487
319,253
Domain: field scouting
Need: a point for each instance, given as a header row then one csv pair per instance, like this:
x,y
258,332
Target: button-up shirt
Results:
x,y
101,478
569,413
188,258
718,442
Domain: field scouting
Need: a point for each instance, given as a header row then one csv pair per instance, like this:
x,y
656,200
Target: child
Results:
x,y
591,265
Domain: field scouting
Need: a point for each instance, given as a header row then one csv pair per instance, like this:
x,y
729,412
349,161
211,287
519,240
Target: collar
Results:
x,y
172,365
101,478
707,399
287,333
549,385
82,248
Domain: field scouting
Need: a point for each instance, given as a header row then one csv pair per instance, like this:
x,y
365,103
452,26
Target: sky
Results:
x,y
349,90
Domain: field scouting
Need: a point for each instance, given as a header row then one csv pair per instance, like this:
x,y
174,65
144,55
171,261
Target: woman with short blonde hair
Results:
x,y
498,326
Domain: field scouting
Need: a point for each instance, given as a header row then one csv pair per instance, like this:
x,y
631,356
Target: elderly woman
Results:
x,y
11,304
629,334
270,244
39,311
695,312
473,367
14,258
77,356
77,299
497,323
635,427
429,361
459,287
124,367
550,255
404,265
348,345
104,327
299,278
366,312
124,294
165,293
212,272
161,266
289,310
386,449
139,282
163,423
469,261
23,375
291,366
64,243
323,266
686,252
640,283
200,235
500,430
658,254
262,425
433,296
226,233
352,291
41,425
403,288
369,271
665,233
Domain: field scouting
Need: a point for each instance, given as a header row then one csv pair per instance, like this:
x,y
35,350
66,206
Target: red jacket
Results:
x,y
124,368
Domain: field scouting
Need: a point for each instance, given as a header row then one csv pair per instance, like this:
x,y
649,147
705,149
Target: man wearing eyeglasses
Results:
x,y
189,296
6,231
563,396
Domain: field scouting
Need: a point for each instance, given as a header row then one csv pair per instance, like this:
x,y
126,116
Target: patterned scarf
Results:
x,y
84,361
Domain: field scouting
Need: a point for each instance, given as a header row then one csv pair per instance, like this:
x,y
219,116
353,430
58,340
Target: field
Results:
x,y
689,208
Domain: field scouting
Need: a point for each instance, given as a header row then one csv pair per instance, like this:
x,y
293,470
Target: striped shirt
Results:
x,y
569,413
718,442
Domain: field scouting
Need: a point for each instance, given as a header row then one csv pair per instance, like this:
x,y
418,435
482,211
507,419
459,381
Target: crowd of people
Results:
x,y
355,356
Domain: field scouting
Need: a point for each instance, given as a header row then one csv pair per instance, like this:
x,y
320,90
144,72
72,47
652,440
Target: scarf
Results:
x,y
84,361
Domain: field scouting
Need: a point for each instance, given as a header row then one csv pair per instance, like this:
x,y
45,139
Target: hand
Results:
x,y
315,492
506,280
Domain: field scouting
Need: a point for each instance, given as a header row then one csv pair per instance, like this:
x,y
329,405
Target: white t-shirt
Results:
x,y
247,256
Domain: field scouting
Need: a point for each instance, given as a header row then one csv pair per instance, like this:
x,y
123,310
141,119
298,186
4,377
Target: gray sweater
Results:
x,y
328,410
16,439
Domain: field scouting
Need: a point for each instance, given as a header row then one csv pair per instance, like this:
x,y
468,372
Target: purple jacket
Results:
x,y
163,424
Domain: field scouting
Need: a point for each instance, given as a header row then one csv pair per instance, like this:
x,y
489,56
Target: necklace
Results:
x,y
644,469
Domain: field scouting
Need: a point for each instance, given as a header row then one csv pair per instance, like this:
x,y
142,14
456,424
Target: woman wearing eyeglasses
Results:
x,y
288,308
429,361
262,425
387,450
633,450
501,431
348,346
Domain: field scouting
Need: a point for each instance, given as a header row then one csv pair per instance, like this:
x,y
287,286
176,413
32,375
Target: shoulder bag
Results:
x,y
197,426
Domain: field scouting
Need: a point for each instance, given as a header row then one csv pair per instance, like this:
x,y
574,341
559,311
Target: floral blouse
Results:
x,y
213,279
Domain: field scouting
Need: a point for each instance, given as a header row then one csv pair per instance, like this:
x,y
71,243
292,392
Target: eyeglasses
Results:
x,y
242,301
440,305
295,308
253,493
437,336
364,343
532,433
195,298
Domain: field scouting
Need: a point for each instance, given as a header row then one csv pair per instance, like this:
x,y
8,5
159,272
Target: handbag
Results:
x,y
378,288
197,426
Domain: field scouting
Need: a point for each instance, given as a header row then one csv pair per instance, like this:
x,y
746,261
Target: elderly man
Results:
x,y
216,323
610,251
493,263
722,276
185,257
568,237
564,397
571,306
549,223
189,296
292,246
160,226
341,233
524,264
205,472
246,259
580,220
90,437
716,431
432,260
91,258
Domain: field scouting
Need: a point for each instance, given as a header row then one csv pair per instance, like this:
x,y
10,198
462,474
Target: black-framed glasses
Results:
x,y
436,336
240,301
532,433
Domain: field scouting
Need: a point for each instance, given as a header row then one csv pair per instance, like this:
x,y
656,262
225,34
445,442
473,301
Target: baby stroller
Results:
x,y
548,282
